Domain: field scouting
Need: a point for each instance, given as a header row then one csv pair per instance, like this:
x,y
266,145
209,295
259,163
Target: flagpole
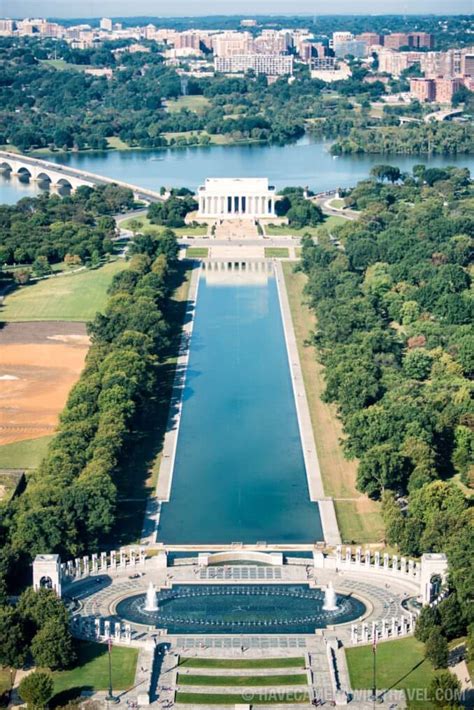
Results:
x,y
374,668
110,698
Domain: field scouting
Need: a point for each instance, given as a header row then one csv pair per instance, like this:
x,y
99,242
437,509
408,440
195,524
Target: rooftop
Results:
x,y
236,186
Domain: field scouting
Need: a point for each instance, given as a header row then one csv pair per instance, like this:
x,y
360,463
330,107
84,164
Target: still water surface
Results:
x,y
307,162
239,473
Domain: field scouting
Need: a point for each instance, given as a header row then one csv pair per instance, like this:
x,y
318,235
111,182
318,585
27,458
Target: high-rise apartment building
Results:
x,y
106,24
231,44
423,89
7,27
467,64
396,40
446,87
370,38
421,40
269,64
394,63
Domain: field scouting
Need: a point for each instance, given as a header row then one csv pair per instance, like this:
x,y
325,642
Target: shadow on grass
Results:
x,y
136,478
396,683
68,696
87,652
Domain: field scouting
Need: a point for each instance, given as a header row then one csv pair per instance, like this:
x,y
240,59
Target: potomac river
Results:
x,y
306,163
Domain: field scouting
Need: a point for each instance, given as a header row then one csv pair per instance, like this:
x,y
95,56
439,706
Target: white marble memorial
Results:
x,y
236,198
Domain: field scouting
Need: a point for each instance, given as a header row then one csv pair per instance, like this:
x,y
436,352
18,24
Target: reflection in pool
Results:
x,y
242,609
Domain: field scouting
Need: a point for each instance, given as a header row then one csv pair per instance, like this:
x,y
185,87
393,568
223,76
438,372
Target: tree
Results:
x,y
41,266
381,467
436,648
36,689
52,646
12,638
427,620
417,364
444,690
452,619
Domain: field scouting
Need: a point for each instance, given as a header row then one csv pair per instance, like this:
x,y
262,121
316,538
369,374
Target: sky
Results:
x,y
165,8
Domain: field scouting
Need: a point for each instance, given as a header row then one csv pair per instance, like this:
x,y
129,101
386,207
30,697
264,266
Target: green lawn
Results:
x,y
76,297
92,670
61,65
359,518
276,230
143,225
271,697
197,252
276,252
5,681
336,203
243,681
24,454
198,104
289,662
117,144
400,664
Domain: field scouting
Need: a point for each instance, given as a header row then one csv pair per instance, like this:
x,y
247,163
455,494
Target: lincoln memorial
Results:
x,y
230,198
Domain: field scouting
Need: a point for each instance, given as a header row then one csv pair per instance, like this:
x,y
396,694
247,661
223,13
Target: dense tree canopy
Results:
x,y
394,331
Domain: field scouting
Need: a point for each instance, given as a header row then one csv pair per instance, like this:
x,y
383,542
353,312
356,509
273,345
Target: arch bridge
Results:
x,y
58,175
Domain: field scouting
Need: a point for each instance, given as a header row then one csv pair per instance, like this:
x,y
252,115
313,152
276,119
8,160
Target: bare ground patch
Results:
x,y
39,363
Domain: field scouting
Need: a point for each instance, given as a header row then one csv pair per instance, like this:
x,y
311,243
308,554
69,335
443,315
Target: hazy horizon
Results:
x,y
157,8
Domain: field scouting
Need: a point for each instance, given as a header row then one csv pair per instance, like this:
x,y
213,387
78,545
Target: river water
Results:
x,y
306,163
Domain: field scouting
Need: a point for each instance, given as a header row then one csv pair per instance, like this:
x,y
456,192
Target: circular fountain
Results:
x,y
243,608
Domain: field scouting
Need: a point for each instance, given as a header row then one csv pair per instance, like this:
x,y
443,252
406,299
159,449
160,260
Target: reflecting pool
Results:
x,y
241,609
239,473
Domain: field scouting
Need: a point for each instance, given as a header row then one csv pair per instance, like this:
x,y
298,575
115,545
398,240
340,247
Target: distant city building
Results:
x,y
467,65
421,40
248,23
269,64
353,47
338,37
329,75
106,24
7,27
396,40
190,40
370,38
446,87
394,63
230,44
323,63
423,89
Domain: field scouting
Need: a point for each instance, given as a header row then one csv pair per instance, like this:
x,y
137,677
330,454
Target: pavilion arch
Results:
x,y
46,582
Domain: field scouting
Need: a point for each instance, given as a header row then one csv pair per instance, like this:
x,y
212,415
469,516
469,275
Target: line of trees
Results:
x,y
434,138
394,332
70,501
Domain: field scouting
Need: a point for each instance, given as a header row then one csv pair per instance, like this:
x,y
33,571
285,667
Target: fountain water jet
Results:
x,y
151,603
330,599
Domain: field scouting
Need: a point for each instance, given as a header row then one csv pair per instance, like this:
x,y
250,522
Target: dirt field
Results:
x,y
39,363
